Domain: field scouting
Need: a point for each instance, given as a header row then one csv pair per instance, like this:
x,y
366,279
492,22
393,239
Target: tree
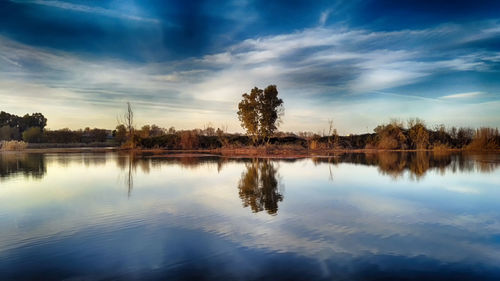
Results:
x,y
120,133
419,135
270,111
391,136
156,131
9,133
189,140
128,122
32,134
332,135
248,113
145,131
171,130
260,111
33,120
23,123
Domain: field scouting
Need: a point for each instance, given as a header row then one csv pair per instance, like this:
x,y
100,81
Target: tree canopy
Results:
x,y
24,122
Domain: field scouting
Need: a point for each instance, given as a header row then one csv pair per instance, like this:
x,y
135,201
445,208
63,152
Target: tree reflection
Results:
x,y
27,164
417,164
259,187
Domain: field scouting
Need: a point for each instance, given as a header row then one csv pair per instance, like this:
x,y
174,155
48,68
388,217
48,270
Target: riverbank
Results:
x,y
263,151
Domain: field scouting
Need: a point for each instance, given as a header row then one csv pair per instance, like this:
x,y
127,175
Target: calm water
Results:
x,y
114,216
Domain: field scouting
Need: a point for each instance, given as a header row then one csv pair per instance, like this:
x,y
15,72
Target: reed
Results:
x,y
13,145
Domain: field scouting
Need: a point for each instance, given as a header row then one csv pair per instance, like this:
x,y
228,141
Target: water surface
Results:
x,y
389,216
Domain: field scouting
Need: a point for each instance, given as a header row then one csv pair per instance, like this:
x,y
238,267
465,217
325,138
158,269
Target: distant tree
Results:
x,y
332,135
222,135
5,133
156,131
419,136
189,140
128,121
464,137
33,120
32,134
9,133
97,135
11,120
171,130
485,139
120,133
63,136
145,131
391,136
23,123
208,130
259,112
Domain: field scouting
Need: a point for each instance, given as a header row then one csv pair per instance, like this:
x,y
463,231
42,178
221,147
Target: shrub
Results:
x,y
314,145
440,147
485,139
391,136
32,134
189,140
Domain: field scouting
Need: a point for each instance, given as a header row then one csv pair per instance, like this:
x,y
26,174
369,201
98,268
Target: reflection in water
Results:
x,y
258,187
417,164
185,220
29,165
393,164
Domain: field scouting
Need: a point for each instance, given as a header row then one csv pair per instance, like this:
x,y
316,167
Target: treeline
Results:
x,y
86,135
414,135
391,136
31,128
12,127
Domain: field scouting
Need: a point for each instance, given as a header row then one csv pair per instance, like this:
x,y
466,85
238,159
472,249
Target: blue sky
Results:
x,y
186,63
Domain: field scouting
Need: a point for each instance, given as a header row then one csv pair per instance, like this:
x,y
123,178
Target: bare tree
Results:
x,y
128,122
332,134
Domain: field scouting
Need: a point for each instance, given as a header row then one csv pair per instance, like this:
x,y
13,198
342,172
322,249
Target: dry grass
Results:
x,y
441,148
13,145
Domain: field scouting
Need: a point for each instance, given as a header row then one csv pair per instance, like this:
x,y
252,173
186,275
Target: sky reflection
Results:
x,y
344,216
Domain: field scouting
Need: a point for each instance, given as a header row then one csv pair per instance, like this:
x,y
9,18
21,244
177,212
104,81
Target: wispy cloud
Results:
x,y
316,69
324,17
463,95
89,9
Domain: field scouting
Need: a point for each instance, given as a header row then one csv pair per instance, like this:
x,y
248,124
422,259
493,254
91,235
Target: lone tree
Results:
x,y
127,123
260,112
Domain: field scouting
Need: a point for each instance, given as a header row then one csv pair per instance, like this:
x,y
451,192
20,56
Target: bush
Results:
x,y
485,139
189,140
33,134
440,147
13,145
169,141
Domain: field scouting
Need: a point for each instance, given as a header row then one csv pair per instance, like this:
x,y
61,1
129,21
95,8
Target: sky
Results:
x,y
187,63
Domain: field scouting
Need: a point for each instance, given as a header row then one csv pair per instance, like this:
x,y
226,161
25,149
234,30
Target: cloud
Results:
x,y
463,95
324,17
316,69
90,10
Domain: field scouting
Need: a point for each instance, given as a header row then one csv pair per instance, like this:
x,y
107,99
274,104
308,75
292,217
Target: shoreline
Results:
x,y
237,152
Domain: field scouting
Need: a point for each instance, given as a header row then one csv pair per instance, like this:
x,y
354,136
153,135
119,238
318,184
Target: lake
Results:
x,y
386,216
